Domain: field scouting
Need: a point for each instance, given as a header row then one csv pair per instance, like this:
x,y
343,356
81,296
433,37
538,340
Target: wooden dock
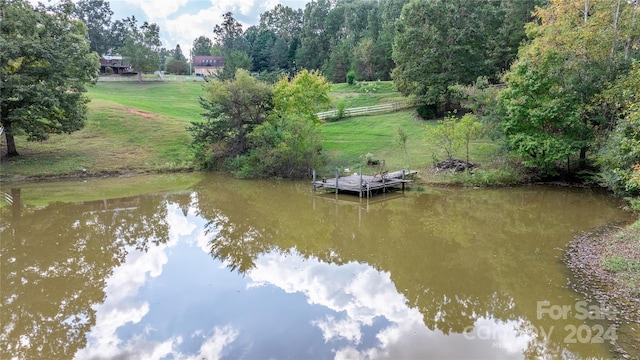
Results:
x,y
365,185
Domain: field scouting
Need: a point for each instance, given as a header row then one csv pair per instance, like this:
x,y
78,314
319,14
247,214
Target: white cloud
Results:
x,y
359,294
158,9
212,348
187,27
336,329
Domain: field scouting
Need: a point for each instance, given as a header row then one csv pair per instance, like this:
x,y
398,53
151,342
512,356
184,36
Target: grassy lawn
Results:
x,y
138,128
130,127
365,93
348,141
174,99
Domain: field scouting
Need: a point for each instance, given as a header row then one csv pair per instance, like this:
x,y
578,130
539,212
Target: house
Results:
x,y
204,65
115,62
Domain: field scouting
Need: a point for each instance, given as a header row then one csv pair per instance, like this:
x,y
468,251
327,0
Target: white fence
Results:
x,y
367,110
134,78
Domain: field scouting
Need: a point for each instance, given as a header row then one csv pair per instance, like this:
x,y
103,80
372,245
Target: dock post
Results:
x,y
403,180
337,177
314,180
360,187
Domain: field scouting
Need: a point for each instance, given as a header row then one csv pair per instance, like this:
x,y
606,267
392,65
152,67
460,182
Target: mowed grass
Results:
x,y
174,99
365,93
139,128
348,141
130,127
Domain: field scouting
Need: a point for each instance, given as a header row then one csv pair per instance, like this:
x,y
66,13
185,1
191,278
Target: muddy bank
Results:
x,y
606,267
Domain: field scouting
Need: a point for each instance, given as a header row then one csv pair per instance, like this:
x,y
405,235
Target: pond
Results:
x,y
199,266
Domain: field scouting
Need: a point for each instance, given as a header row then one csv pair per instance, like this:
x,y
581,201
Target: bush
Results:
x,y
340,106
500,176
351,77
619,158
427,112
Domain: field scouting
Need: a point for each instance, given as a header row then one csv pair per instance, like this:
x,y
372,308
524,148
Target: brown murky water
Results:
x,y
202,266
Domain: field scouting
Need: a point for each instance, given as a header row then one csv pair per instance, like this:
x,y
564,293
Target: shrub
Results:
x,y
427,112
499,176
340,106
351,77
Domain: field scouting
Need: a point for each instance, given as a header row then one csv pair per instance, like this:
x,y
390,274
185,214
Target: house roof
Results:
x,y
207,60
112,57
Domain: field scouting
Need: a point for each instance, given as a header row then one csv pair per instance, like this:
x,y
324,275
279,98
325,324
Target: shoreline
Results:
x,y
605,264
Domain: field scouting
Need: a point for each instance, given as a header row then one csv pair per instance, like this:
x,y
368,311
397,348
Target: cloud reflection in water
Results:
x,y
175,302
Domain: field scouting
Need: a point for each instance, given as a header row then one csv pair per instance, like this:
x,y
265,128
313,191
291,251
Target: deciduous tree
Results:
x,y
96,15
288,145
233,108
576,48
140,45
45,65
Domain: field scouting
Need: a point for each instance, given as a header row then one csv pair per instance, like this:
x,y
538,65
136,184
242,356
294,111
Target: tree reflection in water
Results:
x,y
55,261
478,255
458,259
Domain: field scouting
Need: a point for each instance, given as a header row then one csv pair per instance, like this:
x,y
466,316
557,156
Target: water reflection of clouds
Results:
x,y
122,307
359,294
365,318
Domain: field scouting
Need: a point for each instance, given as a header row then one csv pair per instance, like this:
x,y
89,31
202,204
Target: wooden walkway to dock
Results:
x,y
365,185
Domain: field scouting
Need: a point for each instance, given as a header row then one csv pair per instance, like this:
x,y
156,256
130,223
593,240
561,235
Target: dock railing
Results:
x,y
367,110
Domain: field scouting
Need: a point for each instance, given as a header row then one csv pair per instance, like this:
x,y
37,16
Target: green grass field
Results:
x,y
141,128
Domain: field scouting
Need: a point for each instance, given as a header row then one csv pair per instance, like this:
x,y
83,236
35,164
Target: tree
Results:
x,y
233,108
229,33
442,43
449,49
201,46
177,54
453,133
305,95
261,49
550,110
232,46
140,45
619,156
542,123
96,15
288,145
177,67
284,21
45,65
381,55
177,62
314,40
402,141
234,60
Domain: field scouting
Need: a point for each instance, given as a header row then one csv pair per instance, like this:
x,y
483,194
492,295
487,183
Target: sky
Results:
x,y
182,21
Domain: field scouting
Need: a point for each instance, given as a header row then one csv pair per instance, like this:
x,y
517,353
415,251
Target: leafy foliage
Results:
x,y
619,157
96,15
45,65
549,110
452,133
289,144
233,108
177,62
140,45
433,51
303,96
541,122
285,147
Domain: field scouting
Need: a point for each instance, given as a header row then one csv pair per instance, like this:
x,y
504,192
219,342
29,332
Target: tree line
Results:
x,y
568,71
